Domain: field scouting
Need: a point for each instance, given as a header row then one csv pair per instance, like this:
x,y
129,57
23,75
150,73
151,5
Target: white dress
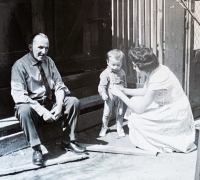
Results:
x,y
168,124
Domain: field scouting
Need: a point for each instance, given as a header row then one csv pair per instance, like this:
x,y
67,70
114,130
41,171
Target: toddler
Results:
x,y
113,75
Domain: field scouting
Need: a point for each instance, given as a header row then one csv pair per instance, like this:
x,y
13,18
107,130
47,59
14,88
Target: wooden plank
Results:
x,y
117,150
130,19
95,27
141,22
125,36
192,80
82,80
49,162
105,32
38,20
154,26
174,38
197,170
130,75
15,1
114,23
49,25
160,19
91,101
119,25
70,67
148,23
86,39
85,10
136,22
85,91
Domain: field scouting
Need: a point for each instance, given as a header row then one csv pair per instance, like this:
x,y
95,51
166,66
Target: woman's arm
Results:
x,y
137,106
135,92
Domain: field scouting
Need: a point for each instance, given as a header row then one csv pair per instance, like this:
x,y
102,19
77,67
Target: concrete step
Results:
x,y
91,114
11,125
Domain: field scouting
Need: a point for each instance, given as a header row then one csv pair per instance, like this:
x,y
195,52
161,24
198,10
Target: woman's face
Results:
x,y
140,72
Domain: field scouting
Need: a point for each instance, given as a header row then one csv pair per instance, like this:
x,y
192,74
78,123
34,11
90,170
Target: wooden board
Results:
x,y
174,38
117,149
50,162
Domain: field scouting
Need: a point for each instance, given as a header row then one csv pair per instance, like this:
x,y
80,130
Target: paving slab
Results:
x,y
101,165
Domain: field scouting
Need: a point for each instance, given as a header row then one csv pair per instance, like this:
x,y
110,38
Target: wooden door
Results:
x,y
80,36
79,32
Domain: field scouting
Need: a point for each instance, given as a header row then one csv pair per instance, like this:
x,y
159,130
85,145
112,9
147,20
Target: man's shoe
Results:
x,y
37,158
75,148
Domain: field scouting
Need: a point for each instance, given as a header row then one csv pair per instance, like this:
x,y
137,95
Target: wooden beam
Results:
x,y
197,171
85,10
174,38
38,20
117,149
15,1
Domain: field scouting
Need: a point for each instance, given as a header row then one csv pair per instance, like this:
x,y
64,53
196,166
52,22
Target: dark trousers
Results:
x,y
30,120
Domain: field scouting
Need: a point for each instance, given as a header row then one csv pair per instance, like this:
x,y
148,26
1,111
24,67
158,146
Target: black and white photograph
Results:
x,y
99,89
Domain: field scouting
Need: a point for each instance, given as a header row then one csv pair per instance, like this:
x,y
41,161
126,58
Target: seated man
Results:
x,y
41,97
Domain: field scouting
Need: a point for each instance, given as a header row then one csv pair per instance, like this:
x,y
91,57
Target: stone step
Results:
x,y
91,115
11,125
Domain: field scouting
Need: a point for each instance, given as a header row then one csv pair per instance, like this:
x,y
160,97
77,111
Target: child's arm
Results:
x,y
103,84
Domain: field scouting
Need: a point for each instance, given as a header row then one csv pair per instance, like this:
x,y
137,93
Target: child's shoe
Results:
x,y
103,131
120,132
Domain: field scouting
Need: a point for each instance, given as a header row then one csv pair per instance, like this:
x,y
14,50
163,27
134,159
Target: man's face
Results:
x,y
39,47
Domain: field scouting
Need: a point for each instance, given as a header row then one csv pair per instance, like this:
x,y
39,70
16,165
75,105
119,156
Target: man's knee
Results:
x,y
72,101
23,110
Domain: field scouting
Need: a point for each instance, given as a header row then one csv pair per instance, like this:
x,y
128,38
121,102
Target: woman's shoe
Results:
x,y
103,131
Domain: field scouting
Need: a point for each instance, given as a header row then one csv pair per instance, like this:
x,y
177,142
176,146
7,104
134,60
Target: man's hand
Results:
x,y
104,97
57,111
48,117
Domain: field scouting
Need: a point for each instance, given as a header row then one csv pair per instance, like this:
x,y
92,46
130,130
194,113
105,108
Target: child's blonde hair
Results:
x,y
115,53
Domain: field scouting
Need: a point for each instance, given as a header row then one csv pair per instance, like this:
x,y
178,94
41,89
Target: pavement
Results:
x,y
101,165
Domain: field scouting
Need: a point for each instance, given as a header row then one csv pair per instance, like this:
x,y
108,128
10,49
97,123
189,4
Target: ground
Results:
x,y
100,165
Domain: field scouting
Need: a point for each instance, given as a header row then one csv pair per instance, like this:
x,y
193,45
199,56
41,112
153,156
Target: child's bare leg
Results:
x,y
107,112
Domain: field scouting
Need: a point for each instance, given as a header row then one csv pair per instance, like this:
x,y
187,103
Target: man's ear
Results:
x,y
30,46
107,61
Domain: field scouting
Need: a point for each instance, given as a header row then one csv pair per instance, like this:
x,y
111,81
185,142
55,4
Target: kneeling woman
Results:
x,y
159,114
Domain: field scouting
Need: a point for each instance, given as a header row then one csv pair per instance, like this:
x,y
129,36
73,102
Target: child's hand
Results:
x,y
104,97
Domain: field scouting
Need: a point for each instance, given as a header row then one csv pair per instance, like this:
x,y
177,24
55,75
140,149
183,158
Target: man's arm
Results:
x,y
19,90
57,110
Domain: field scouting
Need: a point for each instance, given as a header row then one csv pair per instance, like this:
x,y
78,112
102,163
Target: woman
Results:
x,y
159,114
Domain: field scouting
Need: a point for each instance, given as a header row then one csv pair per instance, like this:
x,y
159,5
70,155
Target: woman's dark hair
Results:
x,y
143,58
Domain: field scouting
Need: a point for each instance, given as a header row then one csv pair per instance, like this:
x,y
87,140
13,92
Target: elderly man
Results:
x,y
41,97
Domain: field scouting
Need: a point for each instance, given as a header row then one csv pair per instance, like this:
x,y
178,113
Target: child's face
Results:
x,y
115,65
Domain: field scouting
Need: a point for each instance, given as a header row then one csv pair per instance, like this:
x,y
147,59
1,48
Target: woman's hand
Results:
x,y
116,91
